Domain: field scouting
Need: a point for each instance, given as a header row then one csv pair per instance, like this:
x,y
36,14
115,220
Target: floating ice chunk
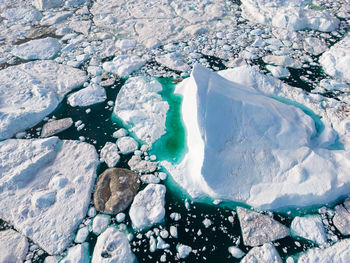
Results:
x,y
264,254
339,253
13,246
289,14
173,61
207,222
100,223
139,106
127,145
30,91
278,72
82,235
88,96
161,244
258,229
56,126
78,254
150,179
120,133
236,252
125,44
183,250
238,128
336,61
147,208
45,183
109,154
112,246
310,227
45,48
173,231
124,65
341,219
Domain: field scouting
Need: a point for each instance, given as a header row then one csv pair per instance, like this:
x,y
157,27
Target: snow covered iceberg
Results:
x,y
245,145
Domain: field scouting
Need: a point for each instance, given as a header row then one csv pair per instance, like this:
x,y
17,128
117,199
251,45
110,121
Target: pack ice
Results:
x,y
30,91
245,145
45,187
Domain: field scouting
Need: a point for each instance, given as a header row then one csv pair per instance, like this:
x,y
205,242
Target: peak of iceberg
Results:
x,y
246,146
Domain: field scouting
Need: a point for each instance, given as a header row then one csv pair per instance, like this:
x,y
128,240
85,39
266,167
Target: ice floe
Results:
x,y
13,246
30,91
311,228
87,96
46,183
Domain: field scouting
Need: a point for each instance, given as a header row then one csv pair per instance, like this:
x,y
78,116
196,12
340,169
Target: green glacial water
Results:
x,y
209,244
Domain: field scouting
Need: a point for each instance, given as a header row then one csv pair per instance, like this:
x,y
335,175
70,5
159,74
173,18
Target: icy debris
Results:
x,y
125,44
31,91
139,106
289,14
175,216
45,48
124,65
341,219
150,179
120,133
207,222
161,244
56,126
87,96
173,231
236,252
82,235
336,61
258,229
285,168
147,208
173,61
100,223
120,217
109,154
183,250
13,246
264,254
127,145
45,183
112,246
77,254
311,228
115,190
339,253
142,166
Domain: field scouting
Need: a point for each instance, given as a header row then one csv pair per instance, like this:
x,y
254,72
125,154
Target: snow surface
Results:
x,y
46,183
339,253
13,246
90,95
30,91
147,208
336,61
310,227
255,153
45,48
139,106
288,14
112,246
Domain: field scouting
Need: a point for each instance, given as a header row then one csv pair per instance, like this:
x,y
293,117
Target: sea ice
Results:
x,y
30,91
236,252
13,246
311,228
127,145
183,250
109,154
147,208
87,96
56,126
244,144
139,106
124,65
77,254
100,223
339,253
336,61
112,246
264,254
45,48
289,14
46,183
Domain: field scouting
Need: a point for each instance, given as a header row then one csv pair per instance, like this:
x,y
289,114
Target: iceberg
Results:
x,y
246,145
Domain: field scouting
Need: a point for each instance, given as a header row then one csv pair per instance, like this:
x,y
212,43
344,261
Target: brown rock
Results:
x,y
115,190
